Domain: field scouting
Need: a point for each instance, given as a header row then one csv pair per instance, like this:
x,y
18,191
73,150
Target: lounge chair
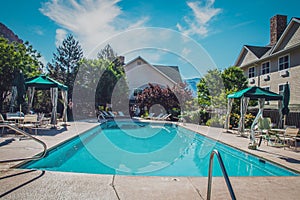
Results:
x,y
105,114
150,116
121,114
3,121
111,114
290,136
43,121
165,117
162,117
158,116
30,122
101,118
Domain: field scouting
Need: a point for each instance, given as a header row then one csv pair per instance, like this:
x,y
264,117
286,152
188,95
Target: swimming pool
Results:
x,y
150,149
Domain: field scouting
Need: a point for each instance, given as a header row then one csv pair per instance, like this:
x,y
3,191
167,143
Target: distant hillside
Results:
x,y
9,34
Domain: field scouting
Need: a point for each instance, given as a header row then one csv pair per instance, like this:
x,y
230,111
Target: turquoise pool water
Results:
x,y
150,149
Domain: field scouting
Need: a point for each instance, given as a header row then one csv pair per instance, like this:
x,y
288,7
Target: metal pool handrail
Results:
x,y
215,152
28,135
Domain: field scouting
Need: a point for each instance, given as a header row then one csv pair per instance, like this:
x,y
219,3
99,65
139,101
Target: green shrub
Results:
x,y
235,118
215,122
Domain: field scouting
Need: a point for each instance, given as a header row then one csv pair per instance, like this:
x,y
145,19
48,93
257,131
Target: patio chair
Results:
x,y
163,117
2,122
264,125
30,122
106,115
121,114
290,136
43,121
111,114
158,116
101,118
150,116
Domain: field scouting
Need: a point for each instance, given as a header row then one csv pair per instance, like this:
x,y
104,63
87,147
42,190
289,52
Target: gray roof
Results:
x,y
171,71
258,51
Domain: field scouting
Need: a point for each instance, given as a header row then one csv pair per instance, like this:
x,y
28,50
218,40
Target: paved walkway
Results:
x,y
36,184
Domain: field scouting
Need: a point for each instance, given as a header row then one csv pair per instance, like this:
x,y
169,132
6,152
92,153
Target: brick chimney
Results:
x,y
278,24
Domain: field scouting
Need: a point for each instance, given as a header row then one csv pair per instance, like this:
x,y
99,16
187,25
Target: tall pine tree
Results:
x,y
65,63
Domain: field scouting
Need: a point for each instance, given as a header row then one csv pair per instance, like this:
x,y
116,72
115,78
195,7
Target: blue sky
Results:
x,y
220,27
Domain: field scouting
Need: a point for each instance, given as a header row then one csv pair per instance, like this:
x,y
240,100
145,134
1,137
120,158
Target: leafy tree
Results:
x,y
234,79
16,57
172,99
211,89
112,74
98,83
214,87
65,63
87,79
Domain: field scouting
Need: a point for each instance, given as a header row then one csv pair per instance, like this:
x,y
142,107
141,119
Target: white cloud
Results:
x,y
185,51
95,23
38,30
60,36
91,21
202,13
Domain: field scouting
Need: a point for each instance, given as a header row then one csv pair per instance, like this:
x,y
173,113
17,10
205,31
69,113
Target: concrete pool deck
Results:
x,y
36,184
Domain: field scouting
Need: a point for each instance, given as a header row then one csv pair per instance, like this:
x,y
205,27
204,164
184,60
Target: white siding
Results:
x,y
295,38
141,74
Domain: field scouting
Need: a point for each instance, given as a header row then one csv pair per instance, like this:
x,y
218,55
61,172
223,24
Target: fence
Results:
x,y
292,119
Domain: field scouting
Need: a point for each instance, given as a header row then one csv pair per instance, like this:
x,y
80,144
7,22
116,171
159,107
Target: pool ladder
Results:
x,y
28,135
215,152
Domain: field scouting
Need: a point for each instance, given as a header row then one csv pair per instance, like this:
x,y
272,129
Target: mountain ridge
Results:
x,y
9,34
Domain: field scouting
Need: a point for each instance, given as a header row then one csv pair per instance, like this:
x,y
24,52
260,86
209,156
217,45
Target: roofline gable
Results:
x,y
245,47
160,72
240,56
282,37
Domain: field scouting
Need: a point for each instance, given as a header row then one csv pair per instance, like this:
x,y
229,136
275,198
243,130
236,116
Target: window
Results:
x,y
251,72
267,88
280,89
265,68
283,62
139,62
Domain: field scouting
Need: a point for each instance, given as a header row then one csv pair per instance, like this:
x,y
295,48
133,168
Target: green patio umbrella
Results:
x,y
18,90
286,100
21,88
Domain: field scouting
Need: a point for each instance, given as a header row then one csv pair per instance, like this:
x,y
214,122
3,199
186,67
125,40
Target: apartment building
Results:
x,y
274,65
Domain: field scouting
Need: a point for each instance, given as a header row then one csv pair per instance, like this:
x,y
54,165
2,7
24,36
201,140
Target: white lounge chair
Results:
x,y
290,136
30,122
3,121
162,116
150,116
121,114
